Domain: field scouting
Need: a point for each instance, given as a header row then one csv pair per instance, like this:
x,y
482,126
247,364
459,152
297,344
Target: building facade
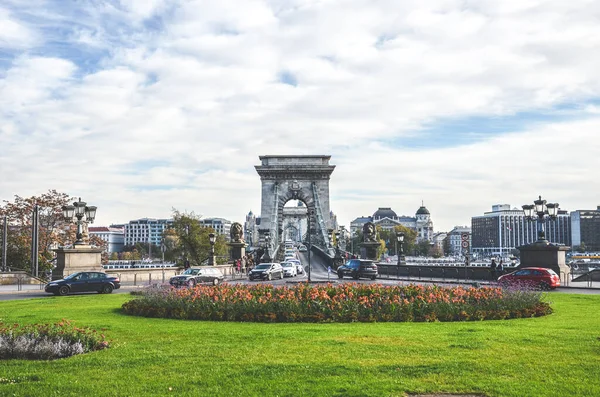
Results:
x,y
585,229
113,236
499,232
146,230
219,225
387,219
455,240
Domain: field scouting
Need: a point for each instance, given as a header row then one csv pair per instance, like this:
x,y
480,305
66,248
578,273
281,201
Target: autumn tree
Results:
x,y
53,230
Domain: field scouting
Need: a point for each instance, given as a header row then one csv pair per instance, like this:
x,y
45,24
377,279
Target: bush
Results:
x,y
48,341
340,303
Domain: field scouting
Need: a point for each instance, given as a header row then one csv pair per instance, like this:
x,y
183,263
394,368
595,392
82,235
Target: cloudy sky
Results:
x,y
141,106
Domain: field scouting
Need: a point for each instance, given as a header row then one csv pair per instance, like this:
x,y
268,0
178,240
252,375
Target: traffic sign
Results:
x,y
465,244
464,236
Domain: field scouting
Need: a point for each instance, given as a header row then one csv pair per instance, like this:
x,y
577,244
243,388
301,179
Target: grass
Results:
x,y
556,355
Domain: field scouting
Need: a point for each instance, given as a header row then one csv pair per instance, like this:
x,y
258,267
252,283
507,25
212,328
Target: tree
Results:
x,y
53,230
447,249
192,238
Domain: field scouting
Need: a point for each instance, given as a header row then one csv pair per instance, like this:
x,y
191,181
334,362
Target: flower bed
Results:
x,y
48,341
339,303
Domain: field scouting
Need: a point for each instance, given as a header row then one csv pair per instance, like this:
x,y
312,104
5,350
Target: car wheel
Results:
x,y
340,275
269,277
281,276
62,291
544,287
107,289
191,283
355,276
216,281
373,277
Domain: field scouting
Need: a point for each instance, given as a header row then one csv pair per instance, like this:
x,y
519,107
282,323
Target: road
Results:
x,y
318,274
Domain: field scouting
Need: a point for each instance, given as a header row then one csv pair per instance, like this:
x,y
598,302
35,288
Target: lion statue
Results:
x,y
236,233
369,232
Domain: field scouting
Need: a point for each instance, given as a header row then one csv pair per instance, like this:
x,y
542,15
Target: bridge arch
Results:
x,y
303,178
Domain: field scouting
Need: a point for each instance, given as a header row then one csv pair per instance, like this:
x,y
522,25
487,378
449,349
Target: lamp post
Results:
x,y
399,250
4,243
249,234
338,255
541,209
212,238
79,209
268,246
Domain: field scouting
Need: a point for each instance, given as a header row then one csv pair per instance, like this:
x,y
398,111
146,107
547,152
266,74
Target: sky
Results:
x,y
144,106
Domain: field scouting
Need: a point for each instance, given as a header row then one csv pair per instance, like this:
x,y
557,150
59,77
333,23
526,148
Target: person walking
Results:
x,y
499,269
493,268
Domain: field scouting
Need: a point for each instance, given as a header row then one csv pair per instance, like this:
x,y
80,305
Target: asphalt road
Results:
x,y
318,274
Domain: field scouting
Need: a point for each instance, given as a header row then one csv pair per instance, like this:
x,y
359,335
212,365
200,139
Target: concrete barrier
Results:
x,y
429,272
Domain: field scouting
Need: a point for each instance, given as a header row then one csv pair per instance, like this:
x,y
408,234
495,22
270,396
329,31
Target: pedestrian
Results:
x,y
493,268
238,265
244,263
186,264
500,268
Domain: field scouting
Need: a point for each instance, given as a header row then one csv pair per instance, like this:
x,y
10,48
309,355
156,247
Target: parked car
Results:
x,y
84,282
197,274
535,277
302,248
357,268
289,269
266,271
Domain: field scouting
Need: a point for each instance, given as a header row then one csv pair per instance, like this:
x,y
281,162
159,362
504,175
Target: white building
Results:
x,y
219,225
113,236
387,219
503,229
146,230
455,239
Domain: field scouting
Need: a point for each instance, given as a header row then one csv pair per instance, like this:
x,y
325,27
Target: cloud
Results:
x,y
141,106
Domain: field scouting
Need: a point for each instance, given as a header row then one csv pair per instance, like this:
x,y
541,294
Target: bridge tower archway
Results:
x,y
303,178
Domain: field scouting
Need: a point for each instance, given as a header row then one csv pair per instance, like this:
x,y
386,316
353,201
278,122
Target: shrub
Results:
x,y
340,303
48,341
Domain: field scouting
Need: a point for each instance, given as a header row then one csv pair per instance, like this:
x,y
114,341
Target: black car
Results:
x,y
196,275
84,282
266,271
357,268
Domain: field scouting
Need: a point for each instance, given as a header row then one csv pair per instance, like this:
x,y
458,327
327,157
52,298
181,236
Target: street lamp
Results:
x,y
541,209
399,250
79,210
249,234
212,238
310,214
268,247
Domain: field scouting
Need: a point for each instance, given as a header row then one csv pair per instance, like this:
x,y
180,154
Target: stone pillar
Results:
x,y
543,254
369,250
80,258
238,250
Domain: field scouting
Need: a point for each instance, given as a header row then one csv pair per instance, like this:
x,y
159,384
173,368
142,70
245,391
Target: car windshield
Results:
x,y
193,272
263,266
287,264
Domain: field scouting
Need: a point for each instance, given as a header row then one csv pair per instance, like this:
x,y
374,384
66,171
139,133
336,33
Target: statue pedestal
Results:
x,y
543,254
238,250
80,258
368,250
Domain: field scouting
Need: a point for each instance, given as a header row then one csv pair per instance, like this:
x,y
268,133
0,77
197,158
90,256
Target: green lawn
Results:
x,y
557,355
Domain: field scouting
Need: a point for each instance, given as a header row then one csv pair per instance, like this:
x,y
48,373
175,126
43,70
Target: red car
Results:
x,y
535,277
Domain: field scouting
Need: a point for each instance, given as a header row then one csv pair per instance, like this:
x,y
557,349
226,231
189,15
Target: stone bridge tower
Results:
x,y
304,178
